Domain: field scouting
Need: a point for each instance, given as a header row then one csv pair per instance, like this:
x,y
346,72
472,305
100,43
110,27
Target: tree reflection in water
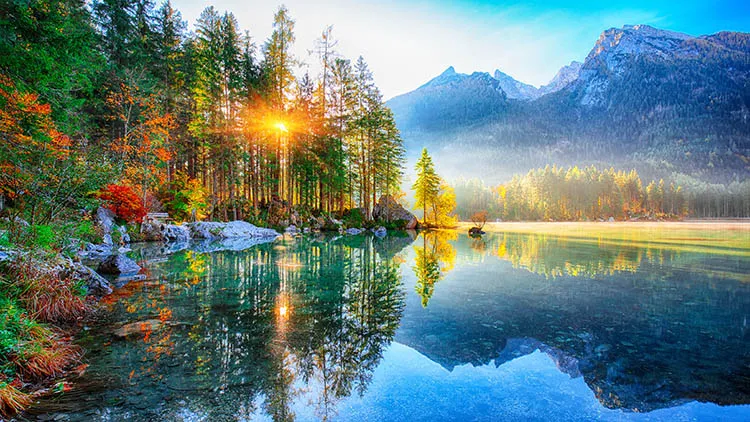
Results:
x,y
252,331
435,257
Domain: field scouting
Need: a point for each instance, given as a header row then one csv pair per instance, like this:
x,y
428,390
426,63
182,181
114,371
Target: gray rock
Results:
x,y
96,284
176,233
353,232
380,231
292,229
232,229
118,265
96,251
105,218
152,231
124,236
6,255
107,240
387,209
229,244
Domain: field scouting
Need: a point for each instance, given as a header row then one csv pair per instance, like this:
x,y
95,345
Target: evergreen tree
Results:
x,y
427,185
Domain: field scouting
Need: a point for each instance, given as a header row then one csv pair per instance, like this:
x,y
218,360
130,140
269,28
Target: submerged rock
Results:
x,y
475,231
118,265
138,329
387,209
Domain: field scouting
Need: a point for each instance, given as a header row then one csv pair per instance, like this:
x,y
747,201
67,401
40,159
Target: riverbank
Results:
x,y
719,236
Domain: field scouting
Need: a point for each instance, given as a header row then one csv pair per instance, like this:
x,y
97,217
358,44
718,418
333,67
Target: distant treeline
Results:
x,y
578,194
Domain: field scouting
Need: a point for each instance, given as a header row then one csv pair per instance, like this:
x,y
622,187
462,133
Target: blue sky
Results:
x,y
408,42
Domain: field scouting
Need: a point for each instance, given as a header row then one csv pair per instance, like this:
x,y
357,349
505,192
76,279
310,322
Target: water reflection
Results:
x,y
646,329
435,257
440,326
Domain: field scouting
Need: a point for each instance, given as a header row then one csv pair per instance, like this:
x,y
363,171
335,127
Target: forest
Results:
x,y
120,102
588,194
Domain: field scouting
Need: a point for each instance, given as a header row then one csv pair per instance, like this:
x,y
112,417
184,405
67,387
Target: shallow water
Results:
x,y
441,327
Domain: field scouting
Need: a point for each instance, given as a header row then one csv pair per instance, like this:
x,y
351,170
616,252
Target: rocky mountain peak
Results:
x,y
515,89
563,78
635,40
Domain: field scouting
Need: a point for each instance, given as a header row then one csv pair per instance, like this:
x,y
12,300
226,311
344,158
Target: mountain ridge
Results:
x,y
666,103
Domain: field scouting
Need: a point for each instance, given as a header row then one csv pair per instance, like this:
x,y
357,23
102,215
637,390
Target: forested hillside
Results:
x,y
671,105
210,122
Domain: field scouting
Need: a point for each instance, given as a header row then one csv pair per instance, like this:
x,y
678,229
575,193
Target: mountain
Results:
x,y
563,78
515,89
450,99
668,104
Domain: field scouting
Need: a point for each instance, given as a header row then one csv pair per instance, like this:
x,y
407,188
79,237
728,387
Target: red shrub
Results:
x,y
124,202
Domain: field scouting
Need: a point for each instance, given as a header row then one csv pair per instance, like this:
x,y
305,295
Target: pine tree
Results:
x,y
427,185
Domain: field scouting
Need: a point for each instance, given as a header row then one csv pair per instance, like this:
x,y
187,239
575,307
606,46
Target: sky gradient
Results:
x,y
408,42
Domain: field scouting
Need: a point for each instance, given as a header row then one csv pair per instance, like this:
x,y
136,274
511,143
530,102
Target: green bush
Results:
x,y
86,231
43,237
353,218
393,225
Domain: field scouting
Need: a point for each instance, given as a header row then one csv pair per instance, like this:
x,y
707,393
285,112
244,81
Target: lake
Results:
x,y
435,326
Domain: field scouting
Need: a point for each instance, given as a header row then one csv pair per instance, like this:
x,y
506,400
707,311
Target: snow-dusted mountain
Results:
x,y
664,102
515,89
563,78
450,99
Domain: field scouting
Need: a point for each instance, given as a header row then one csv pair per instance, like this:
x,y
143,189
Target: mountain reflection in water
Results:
x,y
436,327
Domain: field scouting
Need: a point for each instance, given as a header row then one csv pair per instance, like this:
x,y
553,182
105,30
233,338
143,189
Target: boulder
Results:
x,y
232,229
107,240
124,236
6,255
96,285
95,251
380,231
175,233
475,231
118,265
387,209
151,231
353,232
105,218
279,212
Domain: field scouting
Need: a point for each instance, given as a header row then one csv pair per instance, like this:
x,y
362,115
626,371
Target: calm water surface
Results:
x,y
437,327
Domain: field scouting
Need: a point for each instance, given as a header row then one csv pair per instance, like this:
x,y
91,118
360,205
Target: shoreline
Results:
x,y
712,236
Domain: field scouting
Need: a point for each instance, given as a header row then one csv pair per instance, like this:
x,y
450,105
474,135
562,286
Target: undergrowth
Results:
x,y
31,350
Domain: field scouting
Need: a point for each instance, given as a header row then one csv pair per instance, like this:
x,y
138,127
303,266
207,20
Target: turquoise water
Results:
x,y
437,327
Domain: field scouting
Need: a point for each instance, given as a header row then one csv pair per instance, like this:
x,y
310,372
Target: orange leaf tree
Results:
x,y
142,138
42,171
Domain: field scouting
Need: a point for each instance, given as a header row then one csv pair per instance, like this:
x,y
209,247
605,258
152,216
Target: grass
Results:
x,y
731,237
47,297
31,351
12,400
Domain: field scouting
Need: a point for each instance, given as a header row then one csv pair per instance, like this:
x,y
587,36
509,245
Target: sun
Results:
x,y
281,127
